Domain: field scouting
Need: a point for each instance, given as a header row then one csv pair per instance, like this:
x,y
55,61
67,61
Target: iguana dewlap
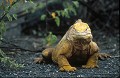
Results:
x,y
76,46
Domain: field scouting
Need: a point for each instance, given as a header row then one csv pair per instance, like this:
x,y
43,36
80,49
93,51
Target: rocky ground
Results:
x,y
107,68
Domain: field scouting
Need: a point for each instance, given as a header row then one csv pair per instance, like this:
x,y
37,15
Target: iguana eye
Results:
x,y
86,29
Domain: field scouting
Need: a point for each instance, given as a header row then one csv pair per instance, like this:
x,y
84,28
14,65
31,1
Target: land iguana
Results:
x,y
76,47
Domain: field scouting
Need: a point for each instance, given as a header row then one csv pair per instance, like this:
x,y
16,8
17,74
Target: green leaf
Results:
x,y
58,12
66,13
76,3
43,17
66,4
31,1
7,8
2,54
2,6
57,20
74,11
15,16
62,13
71,9
51,39
9,17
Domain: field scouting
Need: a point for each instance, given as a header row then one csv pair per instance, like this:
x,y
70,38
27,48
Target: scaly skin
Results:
x,y
76,46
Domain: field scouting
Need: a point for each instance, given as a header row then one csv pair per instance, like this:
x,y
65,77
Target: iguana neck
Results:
x,y
80,46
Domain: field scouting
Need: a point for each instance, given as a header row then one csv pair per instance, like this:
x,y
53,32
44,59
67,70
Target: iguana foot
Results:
x,y
102,56
67,68
38,60
90,66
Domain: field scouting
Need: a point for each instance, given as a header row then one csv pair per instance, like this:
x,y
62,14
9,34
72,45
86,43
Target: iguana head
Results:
x,y
80,31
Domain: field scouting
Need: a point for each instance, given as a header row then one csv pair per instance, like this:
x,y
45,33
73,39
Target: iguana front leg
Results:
x,y
64,64
62,51
92,61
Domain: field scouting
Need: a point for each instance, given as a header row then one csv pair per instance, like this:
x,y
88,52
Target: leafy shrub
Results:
x,y
5,6
67,9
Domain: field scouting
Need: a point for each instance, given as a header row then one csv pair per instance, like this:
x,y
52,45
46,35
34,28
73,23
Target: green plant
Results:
x,y
50,39
5,6
68,10
9,61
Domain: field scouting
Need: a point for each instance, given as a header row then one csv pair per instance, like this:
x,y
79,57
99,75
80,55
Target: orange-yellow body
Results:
x,y
75,48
